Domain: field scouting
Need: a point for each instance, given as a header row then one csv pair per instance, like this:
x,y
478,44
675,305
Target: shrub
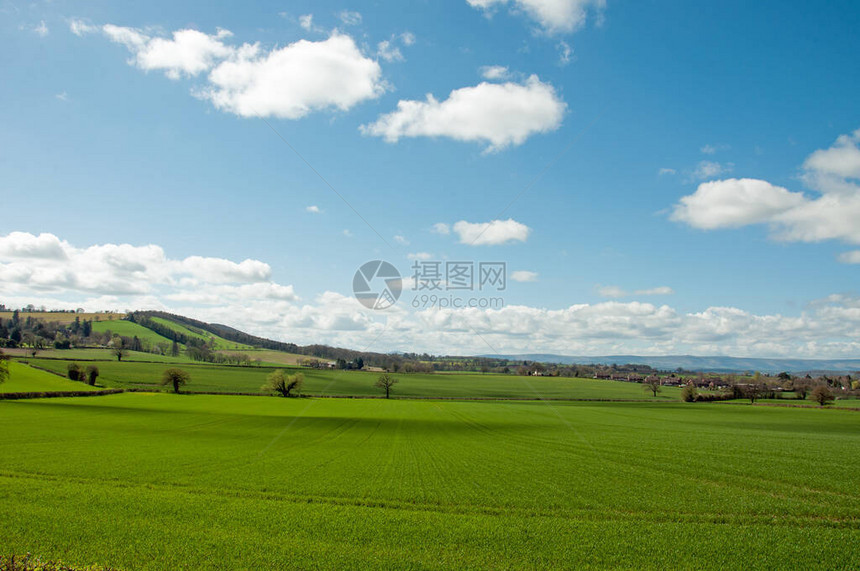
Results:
x,y
92,374
75,372
689,393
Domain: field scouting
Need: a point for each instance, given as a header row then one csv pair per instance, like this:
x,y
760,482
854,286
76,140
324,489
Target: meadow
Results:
x,y
24,379
219,378
160,481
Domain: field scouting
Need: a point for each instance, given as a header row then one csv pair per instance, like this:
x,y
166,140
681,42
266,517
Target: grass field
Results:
x,y
129,329
93,355
220,343
24,379
216,378
157,481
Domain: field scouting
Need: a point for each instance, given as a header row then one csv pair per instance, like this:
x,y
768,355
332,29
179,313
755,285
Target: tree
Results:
x,y
822,395
75,372
754,390
689,393
118,348
174,349
386,381
802,387
92,374
280,382
4,367
652,383
176,377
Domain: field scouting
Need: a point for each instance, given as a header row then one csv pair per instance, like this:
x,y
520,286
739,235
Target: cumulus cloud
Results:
x,y
852,257
401,240
81,27
120,276
491,233
288,82
553,16
665,171
524,276
42,30
47,264
792,216
306,21
734,203
313,209
497,114
564,53
495,72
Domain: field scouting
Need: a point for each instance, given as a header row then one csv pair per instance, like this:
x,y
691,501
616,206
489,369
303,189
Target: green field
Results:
x,y
93,355
158,481
129,329
217,378
220,343
63,317
24,379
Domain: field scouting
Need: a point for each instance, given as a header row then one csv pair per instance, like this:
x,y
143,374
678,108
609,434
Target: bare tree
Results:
x,y
386,381
283,383
652,383
176,377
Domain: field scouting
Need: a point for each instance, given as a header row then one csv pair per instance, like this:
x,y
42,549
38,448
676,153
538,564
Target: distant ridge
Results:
x,y
715,364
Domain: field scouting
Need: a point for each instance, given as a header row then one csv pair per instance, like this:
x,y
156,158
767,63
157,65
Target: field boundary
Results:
x,y
58,394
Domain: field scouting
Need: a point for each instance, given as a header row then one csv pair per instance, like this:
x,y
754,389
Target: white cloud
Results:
x,y
708,149
564,53
188,52
350,18
295,80
613,292
852,257
45,270
42,29
420,256
306,21
81,27
491,233
710,169
346,232
287,82
665,171
408,38
47,264
313,209
554,16
499,115
734,203
661,290
495,72
441,228
388,51
401,240
792,216
63,96
524,276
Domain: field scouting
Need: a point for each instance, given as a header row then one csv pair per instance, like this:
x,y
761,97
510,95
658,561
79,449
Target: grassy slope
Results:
x,y
207,377
274,483
129,329
24,379
220,343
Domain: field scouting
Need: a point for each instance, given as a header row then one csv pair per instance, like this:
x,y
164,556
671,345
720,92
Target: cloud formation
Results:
x,y
553,16
792,216
247,80
496,114
491,233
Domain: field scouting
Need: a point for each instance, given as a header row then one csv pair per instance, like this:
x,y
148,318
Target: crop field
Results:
x,y
24,379
159,481
219,378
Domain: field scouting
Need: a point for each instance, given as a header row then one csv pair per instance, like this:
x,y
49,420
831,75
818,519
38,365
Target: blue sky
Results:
x,y
667,177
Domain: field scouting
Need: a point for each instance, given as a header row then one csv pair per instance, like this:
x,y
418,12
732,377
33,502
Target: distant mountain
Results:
x,y
696,363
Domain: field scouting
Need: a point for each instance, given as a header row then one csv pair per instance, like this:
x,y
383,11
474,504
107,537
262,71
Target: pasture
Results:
x,y
207,377
159,481
24,379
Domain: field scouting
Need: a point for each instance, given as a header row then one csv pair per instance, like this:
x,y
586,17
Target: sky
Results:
x,y
655,177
